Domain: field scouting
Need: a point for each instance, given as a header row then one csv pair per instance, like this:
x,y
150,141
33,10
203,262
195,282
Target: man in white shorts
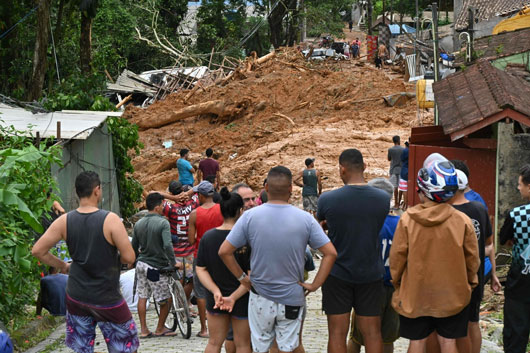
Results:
x,y
278,234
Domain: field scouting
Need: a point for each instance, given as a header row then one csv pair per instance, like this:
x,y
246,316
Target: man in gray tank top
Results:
x,y
311,184
97,242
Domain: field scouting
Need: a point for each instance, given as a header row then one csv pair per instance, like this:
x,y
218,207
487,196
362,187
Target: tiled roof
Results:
x,y
500,45
481,91
487,9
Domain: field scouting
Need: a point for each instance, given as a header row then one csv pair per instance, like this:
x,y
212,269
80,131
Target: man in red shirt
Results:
x,y
209,167
178,214
205,217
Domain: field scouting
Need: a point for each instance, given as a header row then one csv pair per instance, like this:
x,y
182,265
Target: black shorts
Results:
x,y
339,297
474,305
449,327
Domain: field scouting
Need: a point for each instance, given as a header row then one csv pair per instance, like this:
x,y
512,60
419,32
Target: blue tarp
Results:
x,y
394,29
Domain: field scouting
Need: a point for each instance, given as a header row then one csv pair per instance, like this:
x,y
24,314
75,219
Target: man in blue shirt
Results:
x,y
185,168
469,193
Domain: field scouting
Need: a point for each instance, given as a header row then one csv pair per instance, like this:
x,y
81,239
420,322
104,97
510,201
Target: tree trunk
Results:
x,y
85,43
216,107
41,48
278,37
59,22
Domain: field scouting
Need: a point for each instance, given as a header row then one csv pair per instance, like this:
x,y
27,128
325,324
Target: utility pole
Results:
x,y
436,56
470,30
416,51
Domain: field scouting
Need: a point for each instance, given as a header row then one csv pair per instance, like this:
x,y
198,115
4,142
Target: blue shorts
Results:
x,y
120,336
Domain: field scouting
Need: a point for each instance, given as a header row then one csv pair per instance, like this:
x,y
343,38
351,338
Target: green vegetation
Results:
x,y
125,139
34,329
23,201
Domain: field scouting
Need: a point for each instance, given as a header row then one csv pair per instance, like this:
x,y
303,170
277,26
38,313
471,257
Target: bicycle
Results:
x,y
179,312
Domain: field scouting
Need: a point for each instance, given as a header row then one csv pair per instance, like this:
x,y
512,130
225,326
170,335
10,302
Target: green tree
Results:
x,y
326,16
220,24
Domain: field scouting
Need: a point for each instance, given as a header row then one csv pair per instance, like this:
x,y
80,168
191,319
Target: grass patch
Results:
x,y
34,329
53,346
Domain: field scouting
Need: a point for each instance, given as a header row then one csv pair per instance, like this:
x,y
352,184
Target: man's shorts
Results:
x,y
403,185
389,321
339,297
199,290
394,180
267,322
310,203
114,321
449,327
474,305
144,287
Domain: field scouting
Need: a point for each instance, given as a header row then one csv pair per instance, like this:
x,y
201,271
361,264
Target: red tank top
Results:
x,y
207,218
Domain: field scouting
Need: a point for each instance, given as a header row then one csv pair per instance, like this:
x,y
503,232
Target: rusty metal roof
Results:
x,y
477,93
486,9
500,45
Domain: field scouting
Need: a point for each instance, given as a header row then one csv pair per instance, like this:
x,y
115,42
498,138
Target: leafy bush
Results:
x,y
124,139
23,201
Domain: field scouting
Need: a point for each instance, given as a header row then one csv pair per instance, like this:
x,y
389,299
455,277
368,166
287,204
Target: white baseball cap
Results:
x,y
462,180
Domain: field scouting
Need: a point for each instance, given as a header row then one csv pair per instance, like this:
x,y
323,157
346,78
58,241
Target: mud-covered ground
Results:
x,y
249,143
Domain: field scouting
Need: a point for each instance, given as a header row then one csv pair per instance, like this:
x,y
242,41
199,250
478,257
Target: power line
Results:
x,y
20,21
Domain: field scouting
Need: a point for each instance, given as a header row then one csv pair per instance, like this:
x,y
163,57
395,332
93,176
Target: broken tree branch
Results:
x,y
280,115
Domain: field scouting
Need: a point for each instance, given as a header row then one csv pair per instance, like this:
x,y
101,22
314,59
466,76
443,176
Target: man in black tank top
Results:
x,y
97,242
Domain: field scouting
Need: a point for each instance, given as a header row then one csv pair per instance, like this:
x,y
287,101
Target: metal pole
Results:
x,y
416,52
435,45
470,30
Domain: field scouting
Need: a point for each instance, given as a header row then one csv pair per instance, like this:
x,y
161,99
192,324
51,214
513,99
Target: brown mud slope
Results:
x,y
280,112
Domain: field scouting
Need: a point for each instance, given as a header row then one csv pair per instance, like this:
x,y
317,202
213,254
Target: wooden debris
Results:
x,y
125,100
217,107
280,115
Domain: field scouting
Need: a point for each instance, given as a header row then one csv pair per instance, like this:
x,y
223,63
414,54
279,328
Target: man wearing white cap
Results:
x,y
480,219
203,218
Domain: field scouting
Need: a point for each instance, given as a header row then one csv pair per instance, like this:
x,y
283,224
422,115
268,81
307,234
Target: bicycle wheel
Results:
x,y
171,320
183,317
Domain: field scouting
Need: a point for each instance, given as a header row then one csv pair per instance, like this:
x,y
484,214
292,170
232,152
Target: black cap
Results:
x,y
175,187
308,161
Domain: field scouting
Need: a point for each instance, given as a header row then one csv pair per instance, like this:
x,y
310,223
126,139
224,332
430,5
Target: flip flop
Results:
x,y
203,336
149,335
167,333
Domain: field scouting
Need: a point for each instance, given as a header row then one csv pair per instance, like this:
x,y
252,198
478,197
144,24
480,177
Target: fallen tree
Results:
x,y
219,108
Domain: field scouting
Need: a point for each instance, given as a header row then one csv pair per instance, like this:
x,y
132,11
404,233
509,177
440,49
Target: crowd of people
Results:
x,y
419,275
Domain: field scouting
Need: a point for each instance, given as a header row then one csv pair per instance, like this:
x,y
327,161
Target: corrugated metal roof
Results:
x,y
486,9
75,124
468,97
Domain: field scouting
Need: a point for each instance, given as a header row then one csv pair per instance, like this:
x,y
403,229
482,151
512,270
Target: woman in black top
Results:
x,y
227,300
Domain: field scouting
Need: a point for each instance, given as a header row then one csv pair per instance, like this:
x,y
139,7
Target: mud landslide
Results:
x,y
278,113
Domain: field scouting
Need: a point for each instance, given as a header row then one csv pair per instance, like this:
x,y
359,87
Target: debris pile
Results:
x,y
278,109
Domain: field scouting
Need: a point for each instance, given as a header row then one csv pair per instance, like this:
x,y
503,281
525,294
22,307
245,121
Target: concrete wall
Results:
x,y
513,153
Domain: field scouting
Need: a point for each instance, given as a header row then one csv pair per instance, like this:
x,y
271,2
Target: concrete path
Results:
x,y
314,337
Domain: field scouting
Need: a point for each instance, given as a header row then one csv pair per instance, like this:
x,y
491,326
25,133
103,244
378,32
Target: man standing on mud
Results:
x,y
394,157
185,168
312,186
354,215
209,167
97,242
